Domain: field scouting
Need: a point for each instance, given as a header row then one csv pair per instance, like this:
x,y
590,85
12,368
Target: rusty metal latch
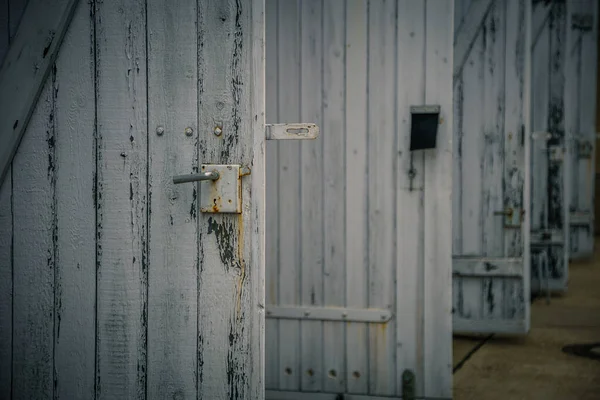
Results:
x,y
220,187
512,217
300,131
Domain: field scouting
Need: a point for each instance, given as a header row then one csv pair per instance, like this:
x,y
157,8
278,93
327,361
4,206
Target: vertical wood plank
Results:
x,y
410,90
75,305
6,287
34,252
470,165
493,155
438,204
291,208
334,169
121,199
381,191
16,8
311,196
516,122
4,28
357,348
540,111
272,195
173,247
587,113
231,271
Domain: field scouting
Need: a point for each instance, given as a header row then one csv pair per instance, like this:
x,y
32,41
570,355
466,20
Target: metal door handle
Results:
x,y
204,176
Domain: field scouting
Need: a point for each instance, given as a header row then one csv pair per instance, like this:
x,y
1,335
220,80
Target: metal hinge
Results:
x,y
584,149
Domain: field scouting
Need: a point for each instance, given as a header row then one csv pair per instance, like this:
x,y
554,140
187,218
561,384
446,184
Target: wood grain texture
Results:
x,y
34,254
272,195
26,67
311,194
6,232
75,280
381,191
173,222
121,195
410,89
231,272
6,287
334,184
289,198
357,348
438,204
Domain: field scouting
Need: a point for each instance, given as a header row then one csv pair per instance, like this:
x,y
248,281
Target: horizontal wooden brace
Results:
x,y
285,395
580,218
487,266
551,237
372,315
298,131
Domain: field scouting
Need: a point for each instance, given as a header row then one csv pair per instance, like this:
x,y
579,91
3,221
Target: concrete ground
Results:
x,y
535,367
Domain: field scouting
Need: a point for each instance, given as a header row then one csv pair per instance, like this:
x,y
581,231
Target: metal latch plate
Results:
x,y
223,195
580,218
291,131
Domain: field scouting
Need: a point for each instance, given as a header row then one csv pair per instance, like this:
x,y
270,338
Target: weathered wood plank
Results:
x,y
356,193
467,33
381,191
311,195
34,254
231,271
26,67
6,286
16,9
289,193
410,90
272,195
516,149
489,266
173,247
121,195
493,32
587,116
438,204
334,185
75,304
4,29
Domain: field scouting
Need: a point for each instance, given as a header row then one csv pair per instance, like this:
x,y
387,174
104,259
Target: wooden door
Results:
x,y
491,164
117,282
580,108
358,226
551,149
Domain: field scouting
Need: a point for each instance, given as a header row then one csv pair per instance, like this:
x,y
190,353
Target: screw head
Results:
x,y
218,131
160,130
189,131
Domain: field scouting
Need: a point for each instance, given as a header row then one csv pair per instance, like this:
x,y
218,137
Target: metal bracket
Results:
x,y
584,149
512,217
556,154
547,237
580,218
372,315
583,22
291,131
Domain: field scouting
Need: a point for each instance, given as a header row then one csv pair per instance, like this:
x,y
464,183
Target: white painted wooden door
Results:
x,y
358,226
580,119
115,284
491,167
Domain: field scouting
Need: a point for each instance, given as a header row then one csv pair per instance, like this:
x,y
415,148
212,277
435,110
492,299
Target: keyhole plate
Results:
x,y
223,195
